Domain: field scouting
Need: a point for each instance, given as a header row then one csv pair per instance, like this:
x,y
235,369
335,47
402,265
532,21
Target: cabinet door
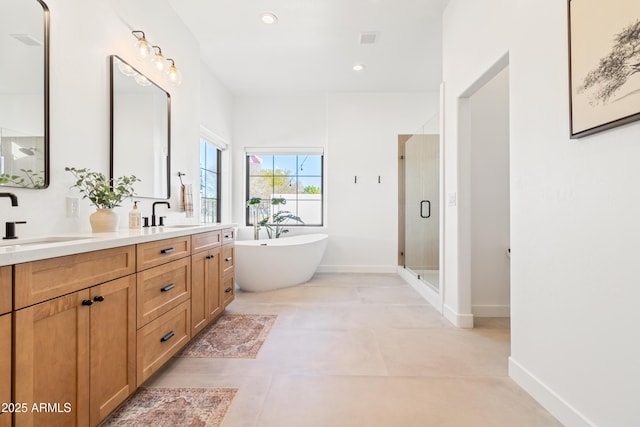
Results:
x,y
214,303
5,367
198,285
52,362
112,345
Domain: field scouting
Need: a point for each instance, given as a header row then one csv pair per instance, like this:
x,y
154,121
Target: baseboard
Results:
x,y
375,269
550,400
491,310
459,320
424,290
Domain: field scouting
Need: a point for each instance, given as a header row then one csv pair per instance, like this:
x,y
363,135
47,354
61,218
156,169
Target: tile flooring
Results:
x,y
358,350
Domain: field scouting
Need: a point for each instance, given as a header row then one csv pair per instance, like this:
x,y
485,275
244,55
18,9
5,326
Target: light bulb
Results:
x,y
158,60
142,46
174,76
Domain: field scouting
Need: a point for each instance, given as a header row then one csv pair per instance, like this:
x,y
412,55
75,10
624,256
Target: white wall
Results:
x,y
83,34
360,135
489,197
574,216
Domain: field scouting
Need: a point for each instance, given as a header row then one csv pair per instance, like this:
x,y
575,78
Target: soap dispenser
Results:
x,y
135,217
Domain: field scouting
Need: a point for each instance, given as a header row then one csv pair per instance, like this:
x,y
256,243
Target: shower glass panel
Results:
x,y
422,204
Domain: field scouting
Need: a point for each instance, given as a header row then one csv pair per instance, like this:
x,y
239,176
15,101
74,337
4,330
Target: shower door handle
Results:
x,y
422,209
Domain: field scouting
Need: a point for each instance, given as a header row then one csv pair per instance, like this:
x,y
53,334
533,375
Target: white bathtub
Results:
x,y
263,265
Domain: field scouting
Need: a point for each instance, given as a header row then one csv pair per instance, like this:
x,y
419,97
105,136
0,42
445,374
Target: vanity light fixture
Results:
x,y
268,18
358,67
158,60
142,46
144,51
174,75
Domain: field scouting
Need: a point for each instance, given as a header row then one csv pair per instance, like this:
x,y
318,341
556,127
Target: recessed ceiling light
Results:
x,y
358,67
268,18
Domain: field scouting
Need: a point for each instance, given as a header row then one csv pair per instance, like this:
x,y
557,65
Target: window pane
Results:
x,y
260,186
211,189
212,158
310,211
310,165
310,185
287,165
260,165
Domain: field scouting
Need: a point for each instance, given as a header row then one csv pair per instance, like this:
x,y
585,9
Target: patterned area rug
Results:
x,y
232,335
170,407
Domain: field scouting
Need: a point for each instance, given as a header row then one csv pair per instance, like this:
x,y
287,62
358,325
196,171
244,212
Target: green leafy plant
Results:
x,y
31,179
274,224
102,192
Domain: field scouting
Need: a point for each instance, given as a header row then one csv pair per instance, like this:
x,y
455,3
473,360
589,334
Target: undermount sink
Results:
x,y
40,240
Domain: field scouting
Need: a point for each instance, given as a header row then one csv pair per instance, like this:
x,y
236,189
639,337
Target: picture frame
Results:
x,y
604,64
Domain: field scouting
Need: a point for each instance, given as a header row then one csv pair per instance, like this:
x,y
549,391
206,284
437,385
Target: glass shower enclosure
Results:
x,y
419,250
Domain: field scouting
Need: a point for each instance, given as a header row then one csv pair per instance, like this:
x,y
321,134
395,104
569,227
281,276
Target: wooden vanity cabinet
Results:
x,y
206,302
164,306
6,300
75,354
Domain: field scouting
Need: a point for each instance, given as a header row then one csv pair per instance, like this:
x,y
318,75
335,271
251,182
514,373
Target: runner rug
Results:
x,y
232,336
173,406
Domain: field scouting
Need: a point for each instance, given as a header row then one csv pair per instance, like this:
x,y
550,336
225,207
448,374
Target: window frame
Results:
x,y
292,152
218,174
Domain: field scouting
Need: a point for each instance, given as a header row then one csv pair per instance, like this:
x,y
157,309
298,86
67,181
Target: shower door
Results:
x,y
422,207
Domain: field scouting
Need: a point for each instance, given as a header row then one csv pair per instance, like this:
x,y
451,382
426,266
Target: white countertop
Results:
x,y
33,249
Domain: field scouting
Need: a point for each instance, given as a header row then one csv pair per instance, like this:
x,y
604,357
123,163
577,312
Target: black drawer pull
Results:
x,y
98,298
168,287
227,236
167,337
166,251
226,291
210,257
87,302
228,258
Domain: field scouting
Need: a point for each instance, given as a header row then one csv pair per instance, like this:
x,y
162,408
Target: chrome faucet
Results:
x,y
13,197
153,212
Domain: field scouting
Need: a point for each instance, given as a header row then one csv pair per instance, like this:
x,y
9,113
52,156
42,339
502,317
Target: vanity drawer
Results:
x,y
228,235
152,254
204,241
162,288
228,258
161,339
6,287
39,281
227,289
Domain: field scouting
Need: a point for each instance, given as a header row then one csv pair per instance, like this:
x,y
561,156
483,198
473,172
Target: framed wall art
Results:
x,y
604,64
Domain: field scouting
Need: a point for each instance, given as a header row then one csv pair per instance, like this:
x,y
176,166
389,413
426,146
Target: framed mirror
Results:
x,y
140,130
24,94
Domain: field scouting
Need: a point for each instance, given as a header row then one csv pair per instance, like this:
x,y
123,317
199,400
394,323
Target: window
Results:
x,y
209,182
297,178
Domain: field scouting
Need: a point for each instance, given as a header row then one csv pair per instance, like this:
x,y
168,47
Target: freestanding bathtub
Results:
x,y
263,265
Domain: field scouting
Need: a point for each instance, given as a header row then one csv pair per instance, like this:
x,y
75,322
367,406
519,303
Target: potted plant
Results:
x,y
103,193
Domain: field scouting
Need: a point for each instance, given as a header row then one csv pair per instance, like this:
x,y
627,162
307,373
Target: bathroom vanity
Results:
x,y
84,321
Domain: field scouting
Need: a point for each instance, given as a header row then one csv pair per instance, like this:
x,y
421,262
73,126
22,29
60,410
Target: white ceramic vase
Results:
x,y
103,220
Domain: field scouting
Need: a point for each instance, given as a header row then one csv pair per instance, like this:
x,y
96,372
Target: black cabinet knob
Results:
x,y
98,298
87,302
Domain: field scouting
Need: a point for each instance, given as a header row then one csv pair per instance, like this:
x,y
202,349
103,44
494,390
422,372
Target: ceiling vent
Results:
x,y
369,37
27,39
